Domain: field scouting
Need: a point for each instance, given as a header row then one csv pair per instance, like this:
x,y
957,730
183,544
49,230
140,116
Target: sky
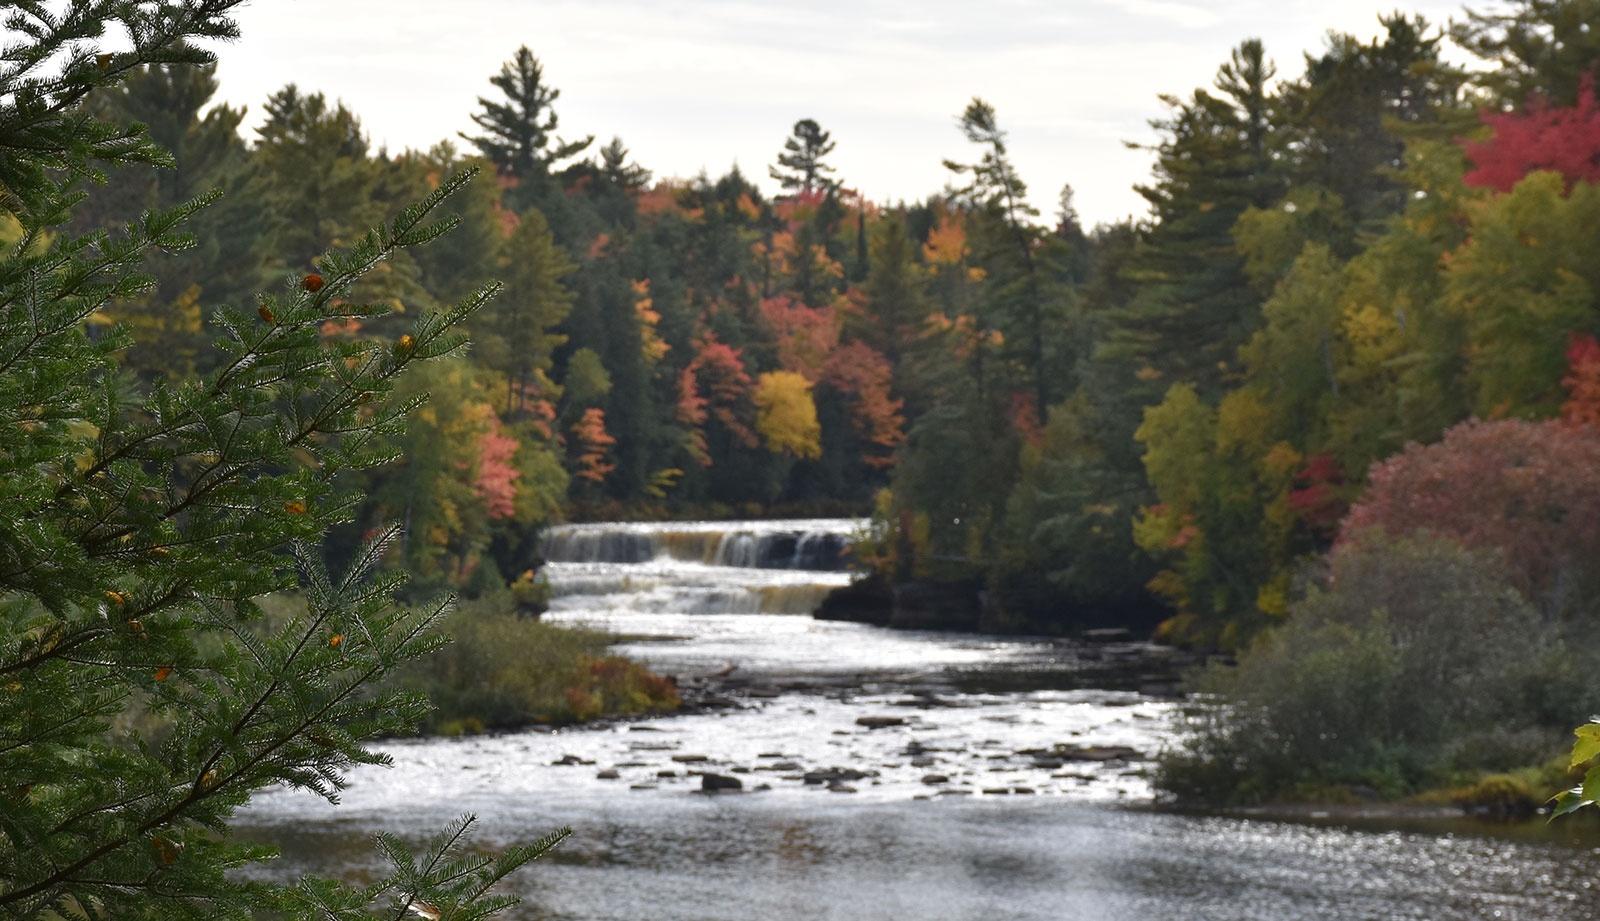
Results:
x,y
703,85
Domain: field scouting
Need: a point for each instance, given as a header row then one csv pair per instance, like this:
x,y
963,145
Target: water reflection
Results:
x,y
932,823
972,859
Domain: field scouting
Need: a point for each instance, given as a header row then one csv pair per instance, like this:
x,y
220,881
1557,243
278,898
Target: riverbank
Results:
x,y
969,605
886,774
505,671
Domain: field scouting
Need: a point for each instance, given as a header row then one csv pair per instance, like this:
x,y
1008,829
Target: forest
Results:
x,y
1328,414
1160,419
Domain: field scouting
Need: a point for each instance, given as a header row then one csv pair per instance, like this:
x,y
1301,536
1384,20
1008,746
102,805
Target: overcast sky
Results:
x,y
693,85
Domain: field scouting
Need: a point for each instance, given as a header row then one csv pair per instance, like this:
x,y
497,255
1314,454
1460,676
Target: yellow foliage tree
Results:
x,y
786,416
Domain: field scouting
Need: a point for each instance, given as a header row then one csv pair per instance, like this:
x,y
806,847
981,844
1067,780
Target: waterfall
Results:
x,y
698,567
819,545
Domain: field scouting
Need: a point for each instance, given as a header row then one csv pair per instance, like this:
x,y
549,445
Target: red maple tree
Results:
x,y
863,376
1564,139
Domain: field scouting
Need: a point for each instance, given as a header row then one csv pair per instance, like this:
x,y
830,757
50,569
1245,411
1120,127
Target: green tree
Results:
x,y
314,176
208,154
519,335
801,168
1194,305
1346,121
1538,48
140,529
519,128
1528,277
895,290
458,262
1018,297
619,171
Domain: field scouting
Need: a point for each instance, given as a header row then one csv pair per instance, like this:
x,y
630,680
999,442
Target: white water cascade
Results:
x,y
699,567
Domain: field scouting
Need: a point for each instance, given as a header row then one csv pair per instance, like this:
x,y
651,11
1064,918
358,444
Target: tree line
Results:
x,y
1170,412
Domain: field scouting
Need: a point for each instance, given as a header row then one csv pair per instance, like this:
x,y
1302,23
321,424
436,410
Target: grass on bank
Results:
x,y
505,670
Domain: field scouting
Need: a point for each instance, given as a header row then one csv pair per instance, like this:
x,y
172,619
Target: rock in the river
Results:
x,y
1068,752
835,776
840,788
690,759
608,774
569,760
880,722
868,601
937,605
935,779
720,783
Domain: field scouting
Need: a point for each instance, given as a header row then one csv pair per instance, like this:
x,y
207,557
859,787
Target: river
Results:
x,y
883,774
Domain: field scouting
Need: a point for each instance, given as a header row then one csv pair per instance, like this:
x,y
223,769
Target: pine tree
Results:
x,y
166,321
1018,294
800,165
895,290
1194,305
313,176
1346,122
615,167
140,530
456,264
1540,49
519,332
519,132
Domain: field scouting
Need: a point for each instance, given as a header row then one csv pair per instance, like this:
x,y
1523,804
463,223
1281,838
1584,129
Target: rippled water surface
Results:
x,y
885,774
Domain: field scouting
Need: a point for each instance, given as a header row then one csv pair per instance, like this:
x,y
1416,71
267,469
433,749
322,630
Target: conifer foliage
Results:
x,y
801,167
141,528
519,129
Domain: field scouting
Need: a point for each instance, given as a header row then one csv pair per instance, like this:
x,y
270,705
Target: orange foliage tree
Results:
x,y
863,376
715,385
496,480
594,445
1582,381
805,335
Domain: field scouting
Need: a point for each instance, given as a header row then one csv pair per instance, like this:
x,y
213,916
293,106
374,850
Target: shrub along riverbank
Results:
x,y
506,671
1442,651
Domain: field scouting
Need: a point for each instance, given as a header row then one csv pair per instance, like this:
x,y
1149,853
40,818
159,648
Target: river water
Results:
x,y
883,774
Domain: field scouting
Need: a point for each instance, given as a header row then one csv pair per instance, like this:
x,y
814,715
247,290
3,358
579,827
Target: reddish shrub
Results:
x,y
1526,492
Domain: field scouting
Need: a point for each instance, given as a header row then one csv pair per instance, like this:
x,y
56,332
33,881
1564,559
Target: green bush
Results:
x,y
1414,664
505,671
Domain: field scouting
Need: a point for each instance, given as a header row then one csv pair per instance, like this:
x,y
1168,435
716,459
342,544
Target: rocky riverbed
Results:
x,y
843,771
